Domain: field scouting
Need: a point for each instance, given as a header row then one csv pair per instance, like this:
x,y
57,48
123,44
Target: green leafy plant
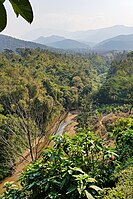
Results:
x,y
61,173
12,192
22,8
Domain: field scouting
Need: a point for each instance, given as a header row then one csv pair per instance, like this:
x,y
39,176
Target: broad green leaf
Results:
x,y
88,195
3,17
15,8
31,185
70,172
90,180
96,188
79,190
63,183
23,8
81,177
78,169
71,189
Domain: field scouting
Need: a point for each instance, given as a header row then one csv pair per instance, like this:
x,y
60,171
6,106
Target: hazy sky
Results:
x,y
72,15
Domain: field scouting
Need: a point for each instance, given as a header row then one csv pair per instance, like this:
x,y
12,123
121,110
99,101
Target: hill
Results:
x,y
121,42
48,40
7,42
68,44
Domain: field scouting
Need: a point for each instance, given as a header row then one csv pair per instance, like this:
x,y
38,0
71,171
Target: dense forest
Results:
x,y
36,88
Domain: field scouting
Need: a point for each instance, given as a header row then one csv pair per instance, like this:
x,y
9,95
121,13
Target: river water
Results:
x,y
67,121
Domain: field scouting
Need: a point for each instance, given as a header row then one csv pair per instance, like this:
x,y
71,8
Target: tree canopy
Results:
x,y
36,88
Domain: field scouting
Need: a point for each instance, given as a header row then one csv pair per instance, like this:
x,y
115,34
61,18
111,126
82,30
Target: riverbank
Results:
x,y
62,125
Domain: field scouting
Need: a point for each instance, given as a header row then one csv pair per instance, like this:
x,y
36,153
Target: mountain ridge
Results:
x,y
11,43
50,39
121,42
92,35
68,44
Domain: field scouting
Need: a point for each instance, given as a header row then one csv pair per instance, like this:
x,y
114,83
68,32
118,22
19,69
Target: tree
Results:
x,y
24,108
22,8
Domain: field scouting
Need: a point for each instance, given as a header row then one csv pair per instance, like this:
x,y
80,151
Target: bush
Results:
x,y
124,186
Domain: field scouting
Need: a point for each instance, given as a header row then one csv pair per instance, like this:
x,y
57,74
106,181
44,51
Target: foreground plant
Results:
x,y
22,8
61,173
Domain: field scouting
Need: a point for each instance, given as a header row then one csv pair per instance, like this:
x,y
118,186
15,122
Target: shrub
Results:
x,y
124,186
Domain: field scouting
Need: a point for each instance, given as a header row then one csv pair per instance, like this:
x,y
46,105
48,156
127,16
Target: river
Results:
x,y
67,124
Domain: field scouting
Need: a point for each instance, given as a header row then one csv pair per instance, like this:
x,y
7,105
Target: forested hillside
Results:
x,y
36,88
118,87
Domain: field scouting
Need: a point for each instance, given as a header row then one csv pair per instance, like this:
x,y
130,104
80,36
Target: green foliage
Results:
x,y
115,108
22,8
69,169
123,134
124,145
76,167
124,186
12,130
12,192
3,16
118,85
122,124
37,86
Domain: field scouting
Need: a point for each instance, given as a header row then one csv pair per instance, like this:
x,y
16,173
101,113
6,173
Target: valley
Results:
x,y
37,88
66,99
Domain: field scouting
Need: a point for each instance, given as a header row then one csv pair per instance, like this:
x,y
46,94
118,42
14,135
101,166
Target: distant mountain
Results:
x,y
50,39
7,42
121,42
36,33
93,36
68,44
99,35
91,44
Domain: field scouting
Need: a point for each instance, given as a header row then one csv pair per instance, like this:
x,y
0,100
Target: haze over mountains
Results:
x,y
99,35
99,39
60,42
94,36
106,39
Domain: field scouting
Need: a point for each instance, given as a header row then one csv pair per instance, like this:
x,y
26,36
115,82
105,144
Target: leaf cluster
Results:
x,y
22,8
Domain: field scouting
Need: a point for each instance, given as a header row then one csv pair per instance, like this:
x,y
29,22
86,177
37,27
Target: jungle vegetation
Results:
x,y
38,86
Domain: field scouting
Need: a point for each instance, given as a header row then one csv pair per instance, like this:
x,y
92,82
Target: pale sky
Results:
x,y
71,15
